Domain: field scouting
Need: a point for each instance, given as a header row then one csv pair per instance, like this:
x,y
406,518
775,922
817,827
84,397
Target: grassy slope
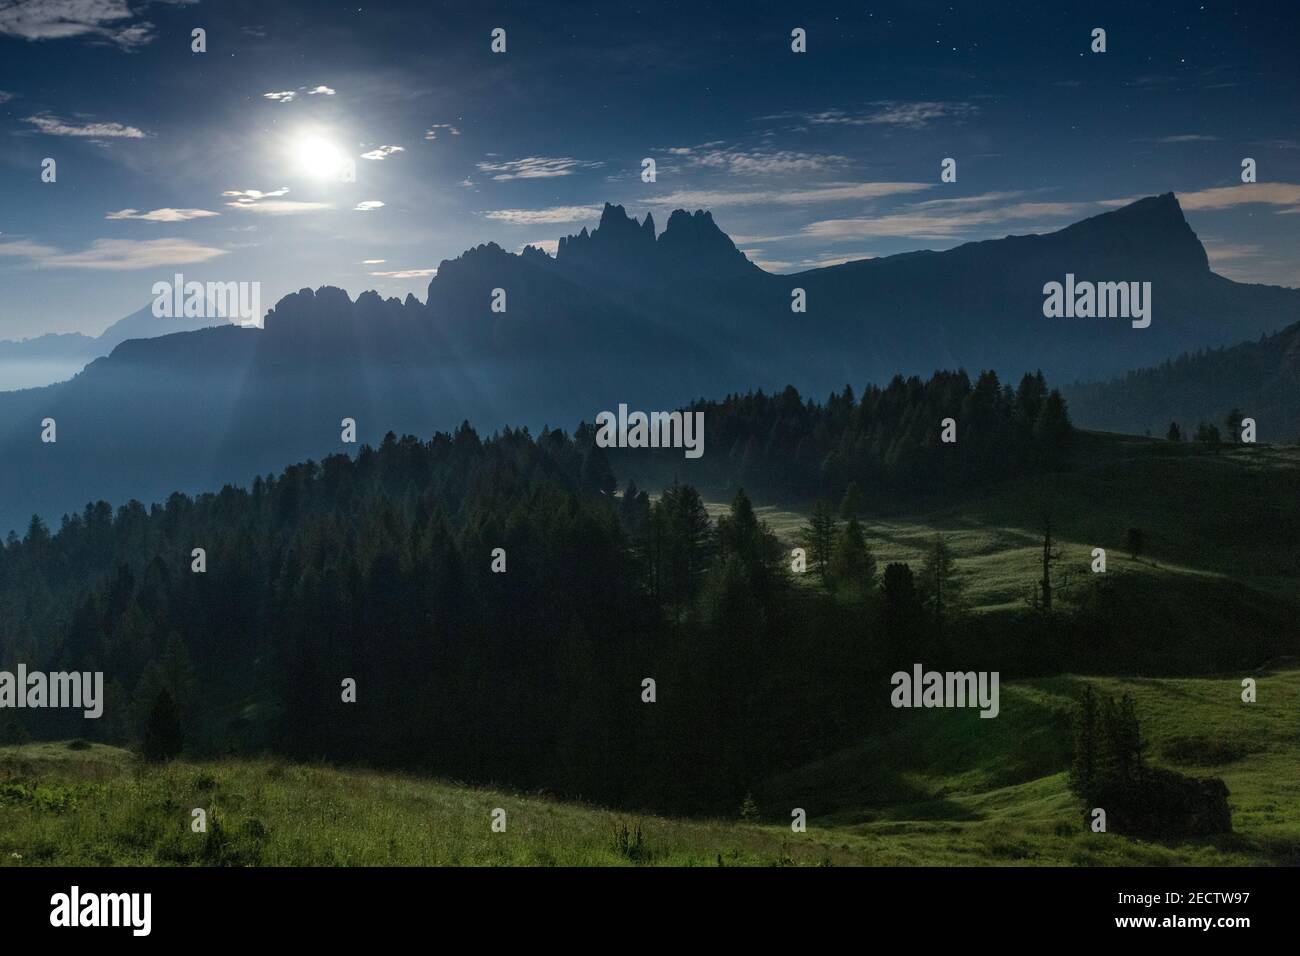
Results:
x,y
940,788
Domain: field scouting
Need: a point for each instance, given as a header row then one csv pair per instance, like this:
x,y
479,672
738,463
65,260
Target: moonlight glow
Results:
x,y
318,157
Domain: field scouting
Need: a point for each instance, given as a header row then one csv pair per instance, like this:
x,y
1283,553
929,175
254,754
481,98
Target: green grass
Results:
x,y
951,786
938,787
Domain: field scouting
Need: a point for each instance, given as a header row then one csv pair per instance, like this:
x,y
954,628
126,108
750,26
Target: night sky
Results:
x,y
220,164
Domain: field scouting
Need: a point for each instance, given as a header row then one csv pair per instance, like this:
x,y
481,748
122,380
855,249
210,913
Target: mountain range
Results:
x,y
621,314
55,356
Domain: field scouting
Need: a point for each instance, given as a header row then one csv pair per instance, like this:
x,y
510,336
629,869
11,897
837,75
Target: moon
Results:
x,y
318,158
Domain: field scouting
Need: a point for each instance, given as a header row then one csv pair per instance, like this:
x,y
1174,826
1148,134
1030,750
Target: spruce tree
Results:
x,y
163,739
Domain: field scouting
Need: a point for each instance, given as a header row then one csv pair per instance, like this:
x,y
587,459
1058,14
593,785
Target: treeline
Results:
x,y
890,442
493,610
1259,377
379,570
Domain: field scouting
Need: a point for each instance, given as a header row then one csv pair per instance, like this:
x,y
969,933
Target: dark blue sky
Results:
x,y
174,161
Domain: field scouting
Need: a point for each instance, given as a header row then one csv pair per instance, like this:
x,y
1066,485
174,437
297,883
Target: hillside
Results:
x,y
1261,379
56,356
931,792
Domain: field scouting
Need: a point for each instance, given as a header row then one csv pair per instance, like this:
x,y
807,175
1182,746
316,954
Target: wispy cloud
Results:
x,y
288,96
102,21
942,219
536,167
909,115
432,131
253,195
754,161
268,203
828,192
1224,251
368,205
536,217
1181,138
162,215
382,152
53,126
1224,197
115,255
407,274
5,96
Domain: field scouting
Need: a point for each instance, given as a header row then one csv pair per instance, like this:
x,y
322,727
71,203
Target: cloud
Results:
x,y
373,262
1225,197
909,115
383,152
1220,251
940,219
1181,138
5,97
281,207
771,265
821,262
536,217
288,96
407,274
103,21
755,161
115,255
162,215
53,126
432,131
368,205
536,167
253,195
827,192
254,200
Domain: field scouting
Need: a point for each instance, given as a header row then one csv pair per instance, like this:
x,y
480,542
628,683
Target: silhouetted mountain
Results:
x,y
55,356
1259,379
619,315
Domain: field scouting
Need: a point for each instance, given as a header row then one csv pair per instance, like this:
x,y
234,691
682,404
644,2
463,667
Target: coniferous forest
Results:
x,y
499,602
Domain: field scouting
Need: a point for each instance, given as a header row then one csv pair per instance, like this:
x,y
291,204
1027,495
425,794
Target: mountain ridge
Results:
x,y
624,315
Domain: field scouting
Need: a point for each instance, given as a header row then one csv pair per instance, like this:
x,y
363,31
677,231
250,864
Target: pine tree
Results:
x,y
163,739
940,586
1233,422
852,501
852,563
1084,766
818,536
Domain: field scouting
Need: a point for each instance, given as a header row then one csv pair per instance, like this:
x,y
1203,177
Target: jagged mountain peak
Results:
x,y
1153,226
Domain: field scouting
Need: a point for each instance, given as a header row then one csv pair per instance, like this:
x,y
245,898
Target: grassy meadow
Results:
x,y
944,789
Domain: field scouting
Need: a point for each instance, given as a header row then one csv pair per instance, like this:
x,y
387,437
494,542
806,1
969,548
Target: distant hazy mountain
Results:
x,y
55,356
620,314
1260,379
